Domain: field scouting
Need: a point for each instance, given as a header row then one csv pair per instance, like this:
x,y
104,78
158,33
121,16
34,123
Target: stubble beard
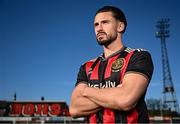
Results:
x,y
109,39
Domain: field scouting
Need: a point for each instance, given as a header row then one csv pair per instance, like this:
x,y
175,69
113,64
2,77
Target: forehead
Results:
x,y
103,16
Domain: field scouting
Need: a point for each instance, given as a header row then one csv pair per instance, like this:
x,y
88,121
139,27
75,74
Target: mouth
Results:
x,y
101,34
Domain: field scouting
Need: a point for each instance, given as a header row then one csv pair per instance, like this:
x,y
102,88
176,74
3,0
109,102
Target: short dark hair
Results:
x,y
117,13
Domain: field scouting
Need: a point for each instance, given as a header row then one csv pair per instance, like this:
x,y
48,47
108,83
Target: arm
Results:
x,y
120,98
80,105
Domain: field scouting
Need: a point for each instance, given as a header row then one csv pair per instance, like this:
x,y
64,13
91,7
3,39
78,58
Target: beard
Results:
x,y
109,39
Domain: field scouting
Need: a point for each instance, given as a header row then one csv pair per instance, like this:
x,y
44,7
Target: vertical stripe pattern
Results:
x,y
98,74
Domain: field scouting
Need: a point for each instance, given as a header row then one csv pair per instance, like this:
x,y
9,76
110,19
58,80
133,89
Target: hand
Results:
x,y
120,85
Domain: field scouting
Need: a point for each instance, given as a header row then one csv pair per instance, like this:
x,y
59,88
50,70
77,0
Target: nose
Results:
x,y
99,28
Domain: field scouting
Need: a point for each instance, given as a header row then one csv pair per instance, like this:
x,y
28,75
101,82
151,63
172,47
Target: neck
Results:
x,y
113,47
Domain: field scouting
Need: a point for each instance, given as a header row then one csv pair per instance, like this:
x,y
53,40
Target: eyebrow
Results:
x,y
103,21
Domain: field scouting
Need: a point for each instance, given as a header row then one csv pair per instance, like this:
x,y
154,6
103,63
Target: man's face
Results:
x,y
105,26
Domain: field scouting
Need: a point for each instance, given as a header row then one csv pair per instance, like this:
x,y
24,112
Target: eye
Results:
x,y
105,21
96,24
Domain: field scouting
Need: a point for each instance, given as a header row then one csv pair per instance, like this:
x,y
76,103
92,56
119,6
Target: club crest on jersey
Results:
x,y
118,65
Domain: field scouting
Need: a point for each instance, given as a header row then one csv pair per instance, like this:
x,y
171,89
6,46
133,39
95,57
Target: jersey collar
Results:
x,y
117,52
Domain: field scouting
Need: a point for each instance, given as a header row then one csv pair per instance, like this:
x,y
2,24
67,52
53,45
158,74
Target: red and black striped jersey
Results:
x,y
109,72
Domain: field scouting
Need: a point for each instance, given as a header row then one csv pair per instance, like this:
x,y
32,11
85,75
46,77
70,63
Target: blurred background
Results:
x,y
44,42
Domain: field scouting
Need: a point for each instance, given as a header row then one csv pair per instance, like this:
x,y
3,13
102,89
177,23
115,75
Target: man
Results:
x,y
111,88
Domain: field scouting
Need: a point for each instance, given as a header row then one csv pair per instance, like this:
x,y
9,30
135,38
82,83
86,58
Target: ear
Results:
x,y
120,27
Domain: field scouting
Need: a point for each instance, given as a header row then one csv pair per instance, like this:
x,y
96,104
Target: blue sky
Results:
x,y
44,42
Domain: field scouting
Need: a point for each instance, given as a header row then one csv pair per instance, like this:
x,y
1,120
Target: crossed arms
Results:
x,y
86,100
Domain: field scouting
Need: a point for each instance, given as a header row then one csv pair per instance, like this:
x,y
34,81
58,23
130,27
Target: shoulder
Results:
x,y
141,56
137,51
141,62
129,50
89,63
141,52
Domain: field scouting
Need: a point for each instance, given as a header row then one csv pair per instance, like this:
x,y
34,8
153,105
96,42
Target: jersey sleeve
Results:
x,y
141,62
81,77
